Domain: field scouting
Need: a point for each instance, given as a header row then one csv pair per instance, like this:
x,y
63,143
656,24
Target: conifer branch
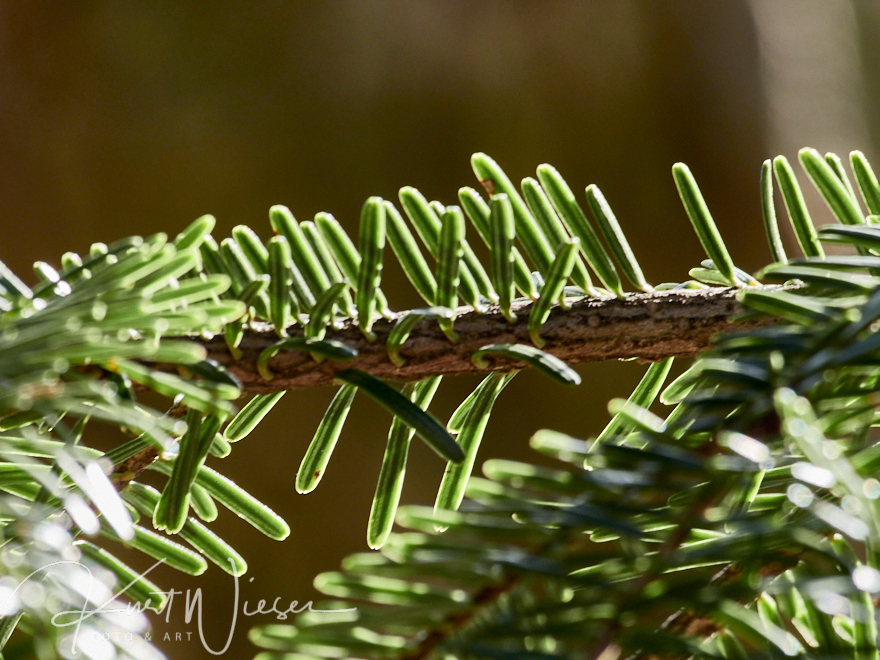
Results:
x,y
648,327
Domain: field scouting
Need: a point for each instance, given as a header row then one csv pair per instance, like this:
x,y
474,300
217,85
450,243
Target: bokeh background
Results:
x,y
124,118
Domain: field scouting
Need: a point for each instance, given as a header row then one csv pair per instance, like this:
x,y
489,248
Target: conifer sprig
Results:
x,y
754,492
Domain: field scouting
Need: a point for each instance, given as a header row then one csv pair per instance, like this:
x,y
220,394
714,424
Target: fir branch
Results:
x,y
648,327
487,597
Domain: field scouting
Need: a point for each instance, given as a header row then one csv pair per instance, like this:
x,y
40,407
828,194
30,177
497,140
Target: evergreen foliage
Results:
x,y
744,523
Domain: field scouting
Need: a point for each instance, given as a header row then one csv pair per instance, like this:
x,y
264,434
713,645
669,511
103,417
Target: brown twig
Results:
x,y
131,468
648,327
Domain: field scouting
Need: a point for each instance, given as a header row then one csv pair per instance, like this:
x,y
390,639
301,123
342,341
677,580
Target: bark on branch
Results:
x,y
648,327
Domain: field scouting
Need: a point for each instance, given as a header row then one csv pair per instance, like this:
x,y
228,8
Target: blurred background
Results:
x,y
133,118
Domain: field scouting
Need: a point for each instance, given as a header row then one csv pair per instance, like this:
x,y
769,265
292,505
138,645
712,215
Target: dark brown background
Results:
x,y
130,118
